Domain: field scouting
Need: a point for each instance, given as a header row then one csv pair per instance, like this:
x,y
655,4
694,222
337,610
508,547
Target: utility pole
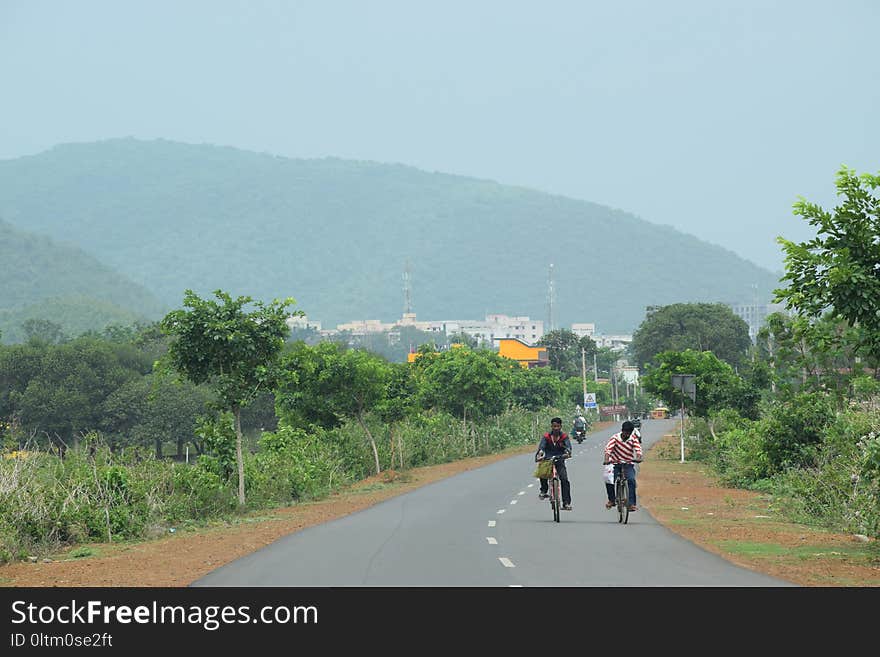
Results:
x,y
614,393
551,301
584,373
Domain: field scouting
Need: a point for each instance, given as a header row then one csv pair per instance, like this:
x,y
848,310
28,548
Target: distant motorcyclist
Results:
x,y
579,428
637,429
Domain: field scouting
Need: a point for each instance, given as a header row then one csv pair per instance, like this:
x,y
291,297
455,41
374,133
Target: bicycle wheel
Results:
x,y
555,500
620,492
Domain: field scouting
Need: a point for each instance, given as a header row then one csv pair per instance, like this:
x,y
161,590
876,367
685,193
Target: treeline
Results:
x,y
108,436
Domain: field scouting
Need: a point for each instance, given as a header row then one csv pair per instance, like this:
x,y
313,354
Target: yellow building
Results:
x,y
512,348
518,350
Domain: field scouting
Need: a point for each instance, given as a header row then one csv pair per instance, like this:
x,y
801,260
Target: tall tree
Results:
x,y
398,402
718,386
699,326
564,350
838,269
234,351
472,384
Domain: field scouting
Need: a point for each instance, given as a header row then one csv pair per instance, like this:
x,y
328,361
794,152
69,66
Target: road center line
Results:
x,y
491,523
506,562
501,510
491,540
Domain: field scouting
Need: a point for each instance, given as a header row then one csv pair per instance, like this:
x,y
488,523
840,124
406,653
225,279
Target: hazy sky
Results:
x,y
708,116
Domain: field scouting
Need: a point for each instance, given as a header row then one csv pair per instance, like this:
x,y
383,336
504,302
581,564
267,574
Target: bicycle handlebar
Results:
x,y
556,457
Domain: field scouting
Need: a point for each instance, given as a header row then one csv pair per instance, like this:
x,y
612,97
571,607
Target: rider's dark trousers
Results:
x,y
565,485
609,489
629,471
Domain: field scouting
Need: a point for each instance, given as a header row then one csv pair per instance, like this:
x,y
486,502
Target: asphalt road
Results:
x,y
487,528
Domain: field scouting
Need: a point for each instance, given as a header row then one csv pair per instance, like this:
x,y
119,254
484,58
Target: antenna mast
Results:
x,y
551,301
407,289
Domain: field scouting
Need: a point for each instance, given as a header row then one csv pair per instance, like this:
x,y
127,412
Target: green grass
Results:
x,y
801,552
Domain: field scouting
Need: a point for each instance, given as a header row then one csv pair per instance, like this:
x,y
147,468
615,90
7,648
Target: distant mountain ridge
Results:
x,y
336,235
44,278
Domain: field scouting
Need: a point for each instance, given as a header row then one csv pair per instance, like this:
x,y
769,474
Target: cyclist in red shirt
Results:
x,y
624,452
556,443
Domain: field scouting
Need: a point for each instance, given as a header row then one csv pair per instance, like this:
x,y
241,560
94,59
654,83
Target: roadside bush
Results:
x,y
793,429
842,491
292,465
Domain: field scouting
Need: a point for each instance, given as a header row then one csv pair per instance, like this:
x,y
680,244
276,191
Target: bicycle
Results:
x,y
555,489
621,494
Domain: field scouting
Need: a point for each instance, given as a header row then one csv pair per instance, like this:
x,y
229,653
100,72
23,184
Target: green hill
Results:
x,y
336,235
47,280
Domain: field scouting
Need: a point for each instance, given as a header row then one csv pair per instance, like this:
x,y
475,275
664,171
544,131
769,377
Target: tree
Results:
x,y
65,396
837,269
359,380
234,351
565,349
718,386
465,383
301,394
327,383
536,388
699,326
42,331
398,402
815,354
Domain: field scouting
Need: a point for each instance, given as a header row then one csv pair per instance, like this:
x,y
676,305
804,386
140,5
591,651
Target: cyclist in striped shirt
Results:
x,y
624,452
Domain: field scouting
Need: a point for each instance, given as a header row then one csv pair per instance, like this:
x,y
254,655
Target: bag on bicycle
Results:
x,y
544,470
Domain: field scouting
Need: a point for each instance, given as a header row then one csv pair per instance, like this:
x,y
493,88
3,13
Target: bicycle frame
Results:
x,y
555,490
555,501
621,493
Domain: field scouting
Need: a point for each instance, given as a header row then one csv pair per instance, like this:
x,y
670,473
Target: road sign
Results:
x,y
589,400
618,409
686,384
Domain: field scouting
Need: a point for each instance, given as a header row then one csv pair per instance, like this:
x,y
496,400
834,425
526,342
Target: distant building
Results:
x,y
493,327
364,326
584,329
614,342
755,315
302,322
527,355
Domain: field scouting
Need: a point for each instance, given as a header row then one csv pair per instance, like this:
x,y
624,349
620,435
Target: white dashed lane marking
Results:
x,y
506,562
491,540
491,523
501,510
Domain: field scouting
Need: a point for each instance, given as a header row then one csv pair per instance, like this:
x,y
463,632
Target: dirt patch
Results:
x,y
739,525
744,527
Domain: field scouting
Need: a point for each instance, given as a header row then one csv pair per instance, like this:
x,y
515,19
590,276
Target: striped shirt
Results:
x,y
618,450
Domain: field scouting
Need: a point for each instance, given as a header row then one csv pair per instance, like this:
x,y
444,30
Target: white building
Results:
x,y
584,329
302,322
615,342
494,326
755,315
